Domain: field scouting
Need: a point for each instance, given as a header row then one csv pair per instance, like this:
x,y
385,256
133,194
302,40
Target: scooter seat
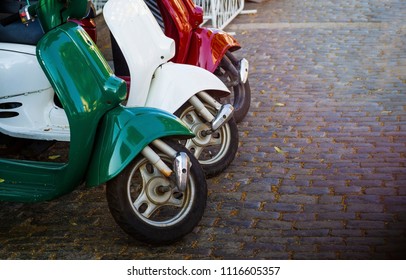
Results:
x,y
18,33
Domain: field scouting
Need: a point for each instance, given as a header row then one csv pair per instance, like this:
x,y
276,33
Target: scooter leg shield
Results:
x,y
122,135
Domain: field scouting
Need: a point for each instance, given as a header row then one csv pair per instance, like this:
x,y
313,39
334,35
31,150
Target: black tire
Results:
x,y
215,151
130,194
240,96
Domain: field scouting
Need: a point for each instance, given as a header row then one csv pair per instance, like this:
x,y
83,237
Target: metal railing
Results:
x,y
218,12
98,4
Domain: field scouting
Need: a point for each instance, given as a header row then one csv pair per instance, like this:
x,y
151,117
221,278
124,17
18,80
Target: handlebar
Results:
x,y
25,14
51,13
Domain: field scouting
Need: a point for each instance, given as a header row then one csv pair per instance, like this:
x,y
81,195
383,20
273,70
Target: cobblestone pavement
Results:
x,y
320,172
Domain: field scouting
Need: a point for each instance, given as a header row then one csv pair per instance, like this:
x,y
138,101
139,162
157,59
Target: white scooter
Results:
x,y
177,88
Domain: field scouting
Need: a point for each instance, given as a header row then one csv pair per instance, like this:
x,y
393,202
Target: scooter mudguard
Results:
x,y
183,81
208,46
123,133
87,88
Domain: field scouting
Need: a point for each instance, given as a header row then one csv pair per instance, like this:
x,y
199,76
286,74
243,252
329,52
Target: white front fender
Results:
x,y
173,84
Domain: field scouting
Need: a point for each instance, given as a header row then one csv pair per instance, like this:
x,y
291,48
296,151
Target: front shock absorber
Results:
x,y
181,163
224,111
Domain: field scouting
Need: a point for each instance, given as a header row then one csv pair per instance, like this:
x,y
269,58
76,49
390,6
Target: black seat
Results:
x,y
16,32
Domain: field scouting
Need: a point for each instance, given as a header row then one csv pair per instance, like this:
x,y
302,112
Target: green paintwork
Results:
x,y
54,13
124,132
88,89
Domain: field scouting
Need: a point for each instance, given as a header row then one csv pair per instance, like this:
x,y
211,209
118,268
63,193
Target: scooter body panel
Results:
x,y
27,108
123,133
142,43
208,46
16,63
185,81
176,18
86,86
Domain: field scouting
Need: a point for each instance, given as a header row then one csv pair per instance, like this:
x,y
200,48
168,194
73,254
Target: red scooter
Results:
x,y
209,48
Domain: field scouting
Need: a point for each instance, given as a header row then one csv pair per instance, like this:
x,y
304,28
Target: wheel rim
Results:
x,y
154,198
207,148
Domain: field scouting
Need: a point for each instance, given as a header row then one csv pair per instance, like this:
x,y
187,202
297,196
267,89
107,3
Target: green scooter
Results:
x,y
156,189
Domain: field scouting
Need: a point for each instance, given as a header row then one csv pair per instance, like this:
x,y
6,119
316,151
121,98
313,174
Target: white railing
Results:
x,y
218,12
98,4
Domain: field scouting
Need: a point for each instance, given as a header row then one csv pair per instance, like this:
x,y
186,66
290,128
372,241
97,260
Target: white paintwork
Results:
x,y
23,82
142,42
154,81
174,84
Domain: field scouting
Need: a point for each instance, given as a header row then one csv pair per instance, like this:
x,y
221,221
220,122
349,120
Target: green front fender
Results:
x,y
123,133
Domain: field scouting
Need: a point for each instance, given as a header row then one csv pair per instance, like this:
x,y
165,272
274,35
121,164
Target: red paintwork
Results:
x,y
127,80
208,46
89,25
203,47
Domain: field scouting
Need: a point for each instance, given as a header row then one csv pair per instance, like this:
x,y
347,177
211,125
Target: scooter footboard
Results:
x,y
123,133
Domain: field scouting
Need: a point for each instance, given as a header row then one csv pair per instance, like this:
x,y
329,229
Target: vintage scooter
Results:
x,y
185,90
156,189
209,48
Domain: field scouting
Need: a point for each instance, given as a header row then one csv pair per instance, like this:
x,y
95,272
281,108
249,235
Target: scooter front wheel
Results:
x,y
215,150
149,207
240,96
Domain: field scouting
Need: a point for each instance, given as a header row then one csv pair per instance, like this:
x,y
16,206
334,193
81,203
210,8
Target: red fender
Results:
x,y
208,46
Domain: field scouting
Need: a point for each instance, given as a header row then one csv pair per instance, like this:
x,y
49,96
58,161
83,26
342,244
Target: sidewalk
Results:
x,y
321,167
